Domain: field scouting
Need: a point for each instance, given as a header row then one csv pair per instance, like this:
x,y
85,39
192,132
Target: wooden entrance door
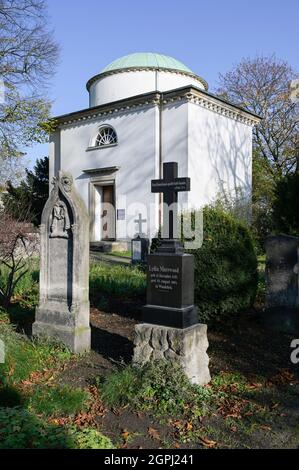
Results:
x,y
108,213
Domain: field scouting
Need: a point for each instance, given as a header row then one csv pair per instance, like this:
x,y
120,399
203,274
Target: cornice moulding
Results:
x,y
185,94
99,76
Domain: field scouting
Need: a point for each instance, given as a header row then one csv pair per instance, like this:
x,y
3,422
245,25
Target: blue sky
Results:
x,y
208,36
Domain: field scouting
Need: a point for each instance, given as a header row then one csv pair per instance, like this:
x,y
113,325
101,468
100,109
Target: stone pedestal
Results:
x,y
187,346
63,310
70,328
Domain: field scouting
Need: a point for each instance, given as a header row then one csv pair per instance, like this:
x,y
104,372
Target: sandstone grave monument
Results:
x,y
63,309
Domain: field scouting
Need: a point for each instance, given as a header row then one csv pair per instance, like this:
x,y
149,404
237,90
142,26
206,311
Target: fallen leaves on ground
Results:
x,y
283,377
208,442
254,386
230,408
40,377
85,418
189,426
125,435
265,428
95,410
153,433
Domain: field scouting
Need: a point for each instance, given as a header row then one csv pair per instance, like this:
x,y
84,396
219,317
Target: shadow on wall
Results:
x,y
234,169
219,150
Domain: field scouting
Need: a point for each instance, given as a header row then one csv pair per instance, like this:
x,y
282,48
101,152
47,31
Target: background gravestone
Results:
x,y
140,244
63,310
282,271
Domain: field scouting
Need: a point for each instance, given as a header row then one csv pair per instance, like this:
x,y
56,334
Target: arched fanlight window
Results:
x,y
106,136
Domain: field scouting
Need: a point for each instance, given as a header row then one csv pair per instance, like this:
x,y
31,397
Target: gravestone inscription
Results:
x,y
63,310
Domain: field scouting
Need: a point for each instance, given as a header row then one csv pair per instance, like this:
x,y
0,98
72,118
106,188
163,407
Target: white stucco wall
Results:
x,y
220,155
136,154
126,84
175,139
215,151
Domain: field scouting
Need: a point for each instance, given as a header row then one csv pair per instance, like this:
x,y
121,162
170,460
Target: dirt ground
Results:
x,y
248,347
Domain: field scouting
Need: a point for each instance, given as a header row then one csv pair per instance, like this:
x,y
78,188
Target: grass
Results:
x,y
29,282
121,254
115,280
58,400
158,388
119,281
230,406
20,429
23,356
30,403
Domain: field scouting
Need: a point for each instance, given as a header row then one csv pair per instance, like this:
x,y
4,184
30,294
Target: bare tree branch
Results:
x,y
262,85
17,246
28,56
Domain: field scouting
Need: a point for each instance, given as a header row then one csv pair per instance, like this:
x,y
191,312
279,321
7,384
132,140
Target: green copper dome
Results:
x,y
146,60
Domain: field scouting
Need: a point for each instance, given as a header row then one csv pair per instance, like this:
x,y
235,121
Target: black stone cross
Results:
x,y
140,221
170,185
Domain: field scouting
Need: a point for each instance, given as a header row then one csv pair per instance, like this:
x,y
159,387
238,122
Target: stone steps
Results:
x,y
109,246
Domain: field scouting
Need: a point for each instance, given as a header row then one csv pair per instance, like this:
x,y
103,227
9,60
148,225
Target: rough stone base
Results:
x,y
186,346
76,339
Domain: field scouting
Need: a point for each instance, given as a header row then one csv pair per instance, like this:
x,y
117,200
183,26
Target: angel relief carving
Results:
x,y
60,224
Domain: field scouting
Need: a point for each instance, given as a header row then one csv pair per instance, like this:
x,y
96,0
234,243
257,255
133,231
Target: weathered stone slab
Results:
x,y
188,347
63,310
282,271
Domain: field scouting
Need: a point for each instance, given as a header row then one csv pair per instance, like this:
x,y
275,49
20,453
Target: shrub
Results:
x,y
89,438
158,388
225,267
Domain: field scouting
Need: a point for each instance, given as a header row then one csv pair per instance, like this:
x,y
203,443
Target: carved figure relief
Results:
x,y
60,225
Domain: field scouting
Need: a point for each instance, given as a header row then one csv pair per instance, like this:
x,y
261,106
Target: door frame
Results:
x,y
100,177
113,219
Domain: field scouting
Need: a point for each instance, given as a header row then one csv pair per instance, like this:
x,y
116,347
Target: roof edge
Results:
x,y
152,97
140,69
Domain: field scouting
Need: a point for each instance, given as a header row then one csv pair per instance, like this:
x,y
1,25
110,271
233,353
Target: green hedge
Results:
x,y
116,280
225,267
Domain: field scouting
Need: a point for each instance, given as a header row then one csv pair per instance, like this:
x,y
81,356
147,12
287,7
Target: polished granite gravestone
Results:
x,y
170,328
170,287
63,309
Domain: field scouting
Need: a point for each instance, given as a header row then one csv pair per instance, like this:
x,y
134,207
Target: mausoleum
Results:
x,y
146,109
